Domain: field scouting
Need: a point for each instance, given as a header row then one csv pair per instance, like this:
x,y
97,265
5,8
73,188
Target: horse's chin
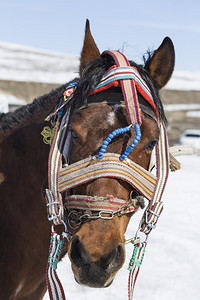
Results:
x,y
94,284
98,280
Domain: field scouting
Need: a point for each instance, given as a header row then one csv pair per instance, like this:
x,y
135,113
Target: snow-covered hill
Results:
x,y
23,63
184,80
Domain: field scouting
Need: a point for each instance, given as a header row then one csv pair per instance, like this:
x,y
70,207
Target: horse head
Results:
x,y
97,249
98,133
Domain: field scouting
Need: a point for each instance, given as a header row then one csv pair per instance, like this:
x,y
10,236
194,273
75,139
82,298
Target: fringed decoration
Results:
x,y
134,266
54,285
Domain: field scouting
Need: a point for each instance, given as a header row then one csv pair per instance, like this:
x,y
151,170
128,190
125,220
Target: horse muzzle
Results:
x,y
93,268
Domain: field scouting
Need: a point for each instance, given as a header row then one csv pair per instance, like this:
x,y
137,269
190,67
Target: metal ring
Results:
x,y
106,212
70,215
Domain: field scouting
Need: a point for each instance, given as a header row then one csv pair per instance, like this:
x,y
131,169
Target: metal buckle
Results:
x,y
66,234
153,213
53,217
137,239
151,225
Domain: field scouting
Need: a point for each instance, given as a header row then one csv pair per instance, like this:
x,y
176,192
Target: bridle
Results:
x,y
81,208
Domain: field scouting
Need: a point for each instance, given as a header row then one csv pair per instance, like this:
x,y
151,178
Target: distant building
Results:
x,y
9,103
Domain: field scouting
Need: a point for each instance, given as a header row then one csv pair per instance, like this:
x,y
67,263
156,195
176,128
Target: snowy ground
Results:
x,y
171,266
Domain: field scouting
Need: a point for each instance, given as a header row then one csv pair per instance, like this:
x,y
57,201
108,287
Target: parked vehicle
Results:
x,y
191,137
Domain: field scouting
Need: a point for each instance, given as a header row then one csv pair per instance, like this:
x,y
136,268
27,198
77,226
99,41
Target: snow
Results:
x,y
184,80
171,266
178,107
193,114
23,63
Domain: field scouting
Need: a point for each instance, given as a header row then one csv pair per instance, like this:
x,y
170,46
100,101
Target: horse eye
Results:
x,y
75,136
151,144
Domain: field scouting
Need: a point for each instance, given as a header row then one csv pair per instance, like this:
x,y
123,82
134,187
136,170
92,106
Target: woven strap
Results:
x,y
113,76
53,196
134,266
128,89
54,201
55,208
155,206
177,151
109,166
54,286
94,203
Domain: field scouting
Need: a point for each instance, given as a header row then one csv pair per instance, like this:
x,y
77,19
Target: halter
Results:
x,y
105,165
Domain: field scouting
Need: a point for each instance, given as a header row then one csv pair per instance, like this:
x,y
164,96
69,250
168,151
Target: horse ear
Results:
x,y
90,50
161,64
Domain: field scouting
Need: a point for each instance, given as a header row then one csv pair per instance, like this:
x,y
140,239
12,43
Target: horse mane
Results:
x,y
34,111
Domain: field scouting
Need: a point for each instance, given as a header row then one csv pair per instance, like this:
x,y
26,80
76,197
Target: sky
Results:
x,y
130,26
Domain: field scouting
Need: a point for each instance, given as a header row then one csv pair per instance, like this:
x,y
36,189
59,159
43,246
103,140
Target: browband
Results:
x,y
108,99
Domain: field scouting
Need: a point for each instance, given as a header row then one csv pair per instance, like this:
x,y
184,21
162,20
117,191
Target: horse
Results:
x,y
97,247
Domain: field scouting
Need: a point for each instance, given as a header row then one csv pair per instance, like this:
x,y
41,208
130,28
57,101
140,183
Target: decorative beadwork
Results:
x,y
134,143
119,131
110,137
68,91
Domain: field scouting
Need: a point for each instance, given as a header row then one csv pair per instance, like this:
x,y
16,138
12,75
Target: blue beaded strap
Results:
x,y
133,144
110,137
118,131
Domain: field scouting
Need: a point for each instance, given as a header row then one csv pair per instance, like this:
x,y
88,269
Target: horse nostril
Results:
x,y
120,251
78,254
113,259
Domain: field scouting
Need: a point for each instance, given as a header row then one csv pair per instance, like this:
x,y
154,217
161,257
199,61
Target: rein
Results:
x,y
104,165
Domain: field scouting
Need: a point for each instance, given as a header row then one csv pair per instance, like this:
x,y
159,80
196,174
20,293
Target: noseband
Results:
x,y
81,208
